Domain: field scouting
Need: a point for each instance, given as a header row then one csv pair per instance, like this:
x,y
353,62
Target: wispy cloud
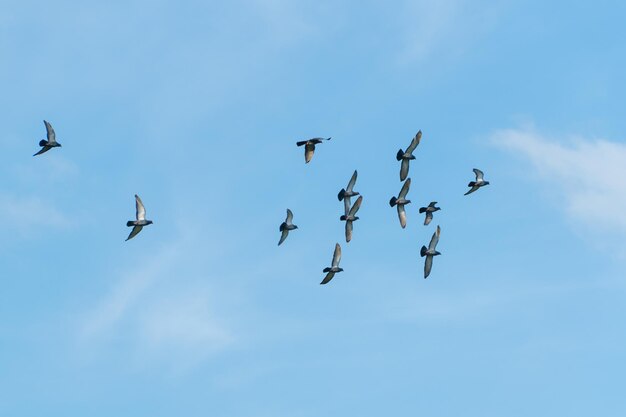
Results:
x,y
445,26
589,173
24,214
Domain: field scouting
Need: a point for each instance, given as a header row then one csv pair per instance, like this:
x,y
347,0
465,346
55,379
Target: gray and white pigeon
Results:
x,y
401,201
351,217
140,214
429,212
309,147
46,145
406,156
334,268
480,182
430,252
348,192
286,226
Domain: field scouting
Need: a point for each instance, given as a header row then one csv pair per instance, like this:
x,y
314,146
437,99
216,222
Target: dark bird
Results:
x,y
406,156
430,252
401,201
348,192
429,212
351,217
309,147
330,272
286,226
46,145
141,221
480,182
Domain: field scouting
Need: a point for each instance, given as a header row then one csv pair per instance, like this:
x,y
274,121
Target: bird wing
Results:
x,y
289,217
42,150
428,265
479,174
283,236
474,188
348,230
404,169
402,215
309,149
134,232
327,278
414,142
140,210
352,182
405,189
435,239
336,255
346,205
432,204
429,217
50,132
356,206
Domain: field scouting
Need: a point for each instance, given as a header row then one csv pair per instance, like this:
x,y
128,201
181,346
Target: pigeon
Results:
x,y
405,157
430,252
401,201
330,272
286,226
480,182
351,217
346,193
429,212
46,145
141,219
309,147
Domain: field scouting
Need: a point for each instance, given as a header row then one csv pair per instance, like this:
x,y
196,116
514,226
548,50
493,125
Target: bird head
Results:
x,y
148,221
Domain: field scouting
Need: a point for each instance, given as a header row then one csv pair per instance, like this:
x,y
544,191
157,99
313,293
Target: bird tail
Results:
x,y
130,223
392,202
43,142
343,217
399,154
300,143
471,184
326,270
423,251
422,209
341,194
282,227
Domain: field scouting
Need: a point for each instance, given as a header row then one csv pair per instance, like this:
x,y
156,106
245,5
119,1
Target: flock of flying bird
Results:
x,y
345,195
349,216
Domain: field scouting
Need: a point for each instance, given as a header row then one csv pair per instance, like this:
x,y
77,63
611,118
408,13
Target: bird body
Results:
x,y
401,201
334,268
286,226
309,147
430,252
140,222
406,156
351,217
480,181
429,212
46,145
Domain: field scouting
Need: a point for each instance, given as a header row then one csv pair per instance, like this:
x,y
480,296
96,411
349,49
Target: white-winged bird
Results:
x,y
429,212
46,145
309,147
334,268
286,226
430,252
140,214
406,156
351,217
480,181
401,201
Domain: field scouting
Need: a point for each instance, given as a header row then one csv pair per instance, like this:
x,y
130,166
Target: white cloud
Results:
x,y
590,174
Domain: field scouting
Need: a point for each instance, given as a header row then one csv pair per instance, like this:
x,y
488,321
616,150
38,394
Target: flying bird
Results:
x,y
286,226
46,145
351,217
309,147
406,156
348,192
401,201
334,268
429,212
480,182
141,219
430,252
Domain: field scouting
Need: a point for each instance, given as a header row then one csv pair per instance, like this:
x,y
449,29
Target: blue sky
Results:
x,y
196,106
